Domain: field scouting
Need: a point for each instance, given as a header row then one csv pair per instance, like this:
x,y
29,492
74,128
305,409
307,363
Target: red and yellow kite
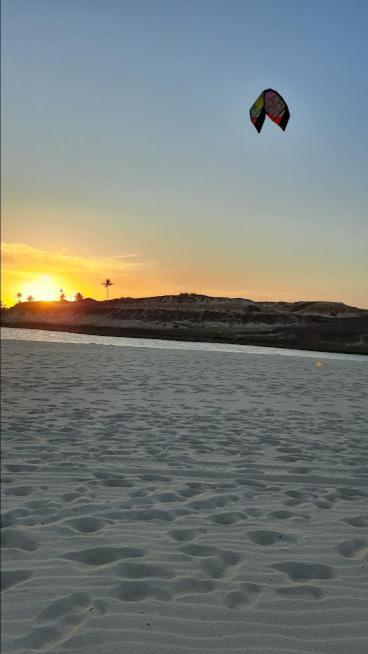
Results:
x,y
269,103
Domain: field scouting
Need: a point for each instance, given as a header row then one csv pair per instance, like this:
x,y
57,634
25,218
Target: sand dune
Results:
x,y
170,502
322,326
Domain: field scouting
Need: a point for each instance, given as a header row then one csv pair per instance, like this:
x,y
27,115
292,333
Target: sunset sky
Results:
x,y
128,152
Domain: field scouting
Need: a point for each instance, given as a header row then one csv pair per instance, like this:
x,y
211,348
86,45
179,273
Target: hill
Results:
x,y
313,325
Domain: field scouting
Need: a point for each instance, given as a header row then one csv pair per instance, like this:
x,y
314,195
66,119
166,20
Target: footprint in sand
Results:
x,y
217,566
214,562
148,580
300,592
197,486
154,477
228,518
58,622
181,535
133,570
70,497
214,567
323,504
267,537
20,467
282,514
359,521
195,549
302,571
245,598
188,492
75,603
17,539
351,494
19,491
9,518
167,497
356,548
141,492
7,479
137,591
162,590
145,515
86,525
254,512
98,556
114,482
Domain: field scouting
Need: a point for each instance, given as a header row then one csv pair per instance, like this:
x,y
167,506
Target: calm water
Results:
x,y
87,339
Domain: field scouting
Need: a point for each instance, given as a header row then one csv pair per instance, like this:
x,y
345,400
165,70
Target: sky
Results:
x,y
128,153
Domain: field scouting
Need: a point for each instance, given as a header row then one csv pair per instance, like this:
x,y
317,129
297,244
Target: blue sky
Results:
x,y
126,132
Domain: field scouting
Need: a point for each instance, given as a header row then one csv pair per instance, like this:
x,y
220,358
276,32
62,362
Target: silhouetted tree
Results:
x,y
30,298
78,297
19,296
107,283
62,295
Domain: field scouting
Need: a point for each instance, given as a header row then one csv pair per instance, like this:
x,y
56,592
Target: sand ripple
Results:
x,y
173,502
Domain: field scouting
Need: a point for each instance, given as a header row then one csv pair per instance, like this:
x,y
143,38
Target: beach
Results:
x,y
175,501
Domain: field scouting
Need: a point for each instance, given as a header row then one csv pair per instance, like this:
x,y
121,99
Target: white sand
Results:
x,y
169,502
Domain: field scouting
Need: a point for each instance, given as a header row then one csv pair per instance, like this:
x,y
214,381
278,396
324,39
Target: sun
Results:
x,y
44,287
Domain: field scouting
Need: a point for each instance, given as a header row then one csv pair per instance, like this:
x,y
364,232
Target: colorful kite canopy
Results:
x,y
269,103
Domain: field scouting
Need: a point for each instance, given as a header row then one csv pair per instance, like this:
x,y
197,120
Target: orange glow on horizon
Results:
x,y
41,288
42,274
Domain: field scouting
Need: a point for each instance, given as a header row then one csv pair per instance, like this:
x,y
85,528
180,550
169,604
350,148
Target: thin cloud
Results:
x,y
24,267
21,258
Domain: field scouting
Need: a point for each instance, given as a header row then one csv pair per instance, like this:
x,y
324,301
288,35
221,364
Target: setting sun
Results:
x,y
43,287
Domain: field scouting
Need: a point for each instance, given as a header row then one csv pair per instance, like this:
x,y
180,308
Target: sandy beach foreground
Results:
x,y
170,502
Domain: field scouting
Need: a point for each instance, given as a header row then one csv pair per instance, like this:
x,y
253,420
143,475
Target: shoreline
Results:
x,y
284,341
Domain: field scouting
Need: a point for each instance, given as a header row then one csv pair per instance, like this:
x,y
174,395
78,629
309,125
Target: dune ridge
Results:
x,y
313,325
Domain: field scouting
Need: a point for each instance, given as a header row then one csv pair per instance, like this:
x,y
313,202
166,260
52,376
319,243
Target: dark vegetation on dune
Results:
x,y
323,326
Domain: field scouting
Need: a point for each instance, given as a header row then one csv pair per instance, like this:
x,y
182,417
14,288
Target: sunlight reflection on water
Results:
x,y
119,341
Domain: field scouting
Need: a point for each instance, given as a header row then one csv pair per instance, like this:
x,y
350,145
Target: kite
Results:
x,y
269,103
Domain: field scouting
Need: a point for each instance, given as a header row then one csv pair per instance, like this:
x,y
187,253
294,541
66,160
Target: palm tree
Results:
x,y
19,296
30,298
62,295
78,297
106,284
